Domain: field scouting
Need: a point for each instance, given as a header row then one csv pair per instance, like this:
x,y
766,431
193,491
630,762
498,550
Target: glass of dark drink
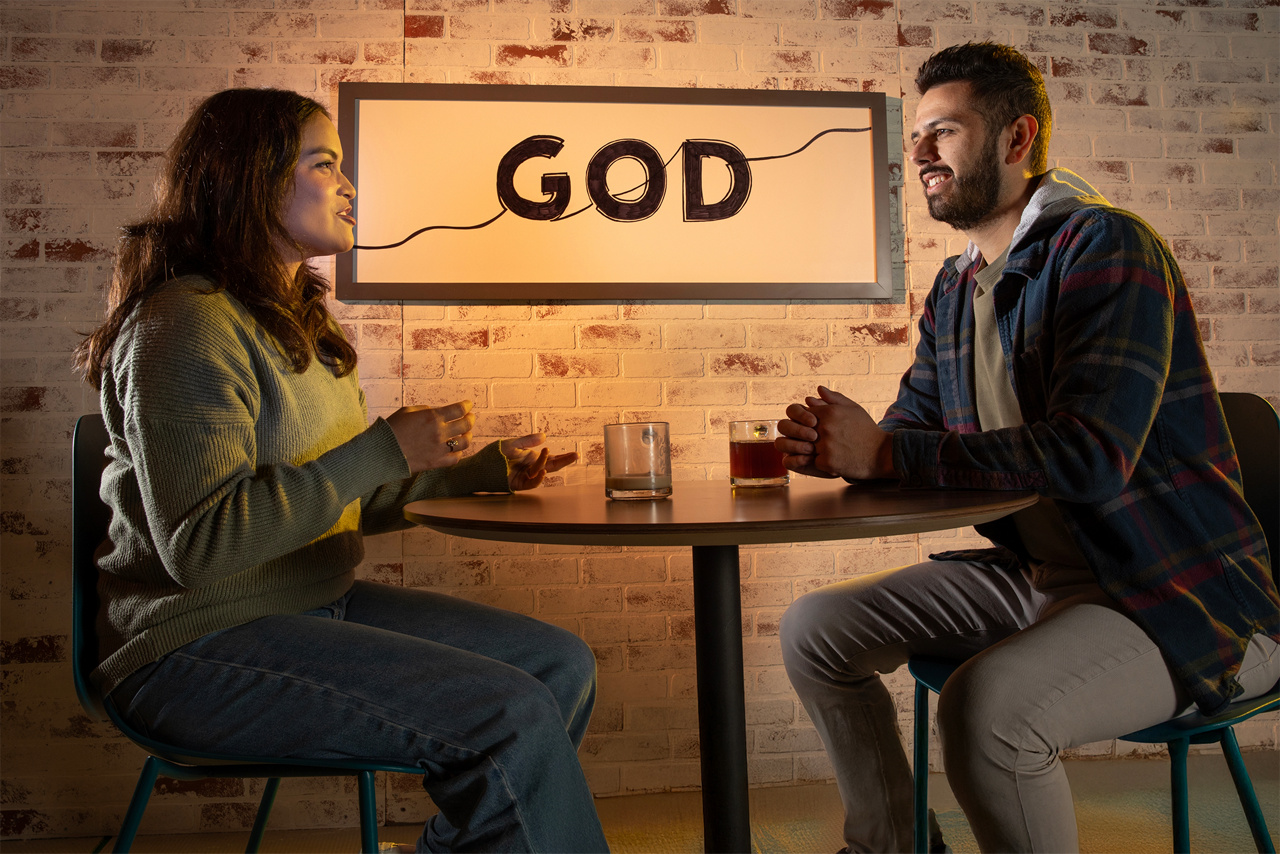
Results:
x,y
753,460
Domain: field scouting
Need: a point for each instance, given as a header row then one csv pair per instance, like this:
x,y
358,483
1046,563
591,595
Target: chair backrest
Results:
x,y
90,519
1255,431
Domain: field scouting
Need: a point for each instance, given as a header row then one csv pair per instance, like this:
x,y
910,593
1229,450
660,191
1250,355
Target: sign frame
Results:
x,y
872,202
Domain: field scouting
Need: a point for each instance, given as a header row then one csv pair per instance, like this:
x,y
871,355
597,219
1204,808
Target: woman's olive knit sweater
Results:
x,y
238,488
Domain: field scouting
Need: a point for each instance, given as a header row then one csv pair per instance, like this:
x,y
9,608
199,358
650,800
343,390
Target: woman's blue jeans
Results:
x,y
493,705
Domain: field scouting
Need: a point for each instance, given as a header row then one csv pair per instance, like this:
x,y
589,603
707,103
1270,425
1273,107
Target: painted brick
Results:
x,y
51,49
737,31
859,9
287,24
1219,21
384,53
620,336
614,8
526,395
523,336
1121,95
1246,276
858,62
1196,97
660,31
576,29
489,27
1092,68
541,571
360,25
807,9
646,393
186,23
16,20
620,57
94,134
827,34
423,26
1193,250
679,336
1128,145
1252,46
1247,328
749,364
829,363
316,52
191,78
790,61
533,55
227,51
1204,198
682,392
571,365
699,57
547,6
449,337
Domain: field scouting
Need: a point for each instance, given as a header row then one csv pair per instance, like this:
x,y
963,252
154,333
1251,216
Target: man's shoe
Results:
x,y
936,844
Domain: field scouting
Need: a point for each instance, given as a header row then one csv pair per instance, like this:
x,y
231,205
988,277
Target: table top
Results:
x,y
714,513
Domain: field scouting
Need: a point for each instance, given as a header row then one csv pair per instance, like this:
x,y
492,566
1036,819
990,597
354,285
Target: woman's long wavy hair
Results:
x,y
219,212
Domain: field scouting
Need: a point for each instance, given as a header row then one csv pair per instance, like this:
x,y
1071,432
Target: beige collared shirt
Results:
x,y
1057,559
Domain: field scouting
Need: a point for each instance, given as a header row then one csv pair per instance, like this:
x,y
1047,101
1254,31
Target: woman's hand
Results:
x,y
432,438
526,467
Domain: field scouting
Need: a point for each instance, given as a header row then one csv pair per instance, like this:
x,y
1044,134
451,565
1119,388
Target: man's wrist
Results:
x,y
884,457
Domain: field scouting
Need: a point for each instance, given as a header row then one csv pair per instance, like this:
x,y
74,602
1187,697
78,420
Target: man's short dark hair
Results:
x,y
1005,84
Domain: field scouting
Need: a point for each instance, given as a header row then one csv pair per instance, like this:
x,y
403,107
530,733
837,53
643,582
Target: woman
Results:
x,y
243,477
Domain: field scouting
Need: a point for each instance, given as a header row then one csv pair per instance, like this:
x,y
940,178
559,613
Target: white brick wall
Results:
x,y
1170,110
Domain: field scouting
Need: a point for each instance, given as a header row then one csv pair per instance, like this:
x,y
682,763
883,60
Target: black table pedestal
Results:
x,y
722,713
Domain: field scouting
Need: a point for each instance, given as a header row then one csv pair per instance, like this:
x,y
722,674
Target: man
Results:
x,y
1058,353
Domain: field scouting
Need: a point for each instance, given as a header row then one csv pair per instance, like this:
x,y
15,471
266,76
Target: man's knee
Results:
x,y
987,719
802,629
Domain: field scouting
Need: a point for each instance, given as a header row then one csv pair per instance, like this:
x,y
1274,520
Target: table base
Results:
x,y
722,713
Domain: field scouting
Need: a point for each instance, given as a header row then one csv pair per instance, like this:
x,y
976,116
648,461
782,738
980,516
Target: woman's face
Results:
x,y
317,213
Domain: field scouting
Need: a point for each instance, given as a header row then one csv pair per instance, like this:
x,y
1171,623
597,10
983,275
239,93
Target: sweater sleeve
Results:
x,y
189,377
484,471
383,509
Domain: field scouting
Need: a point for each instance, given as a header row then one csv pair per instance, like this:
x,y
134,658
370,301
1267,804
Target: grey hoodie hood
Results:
x,y
1060,194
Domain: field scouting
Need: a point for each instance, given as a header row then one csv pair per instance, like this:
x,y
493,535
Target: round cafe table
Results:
x,y
714,519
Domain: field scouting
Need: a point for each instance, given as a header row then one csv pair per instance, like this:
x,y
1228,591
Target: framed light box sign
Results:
x,y
473,193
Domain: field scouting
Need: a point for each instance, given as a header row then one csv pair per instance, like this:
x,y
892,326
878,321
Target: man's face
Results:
x,y
958,159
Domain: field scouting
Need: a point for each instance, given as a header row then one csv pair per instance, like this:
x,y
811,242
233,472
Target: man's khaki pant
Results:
x,y
1054,665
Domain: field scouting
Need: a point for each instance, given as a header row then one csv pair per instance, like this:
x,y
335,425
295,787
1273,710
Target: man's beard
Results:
x,y
973,197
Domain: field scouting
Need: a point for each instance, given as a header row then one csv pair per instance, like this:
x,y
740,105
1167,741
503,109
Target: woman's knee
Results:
x,y
572,659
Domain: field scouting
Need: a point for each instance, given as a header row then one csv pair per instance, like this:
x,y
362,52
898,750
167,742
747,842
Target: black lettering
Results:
x,y
555,184
655,184
695,209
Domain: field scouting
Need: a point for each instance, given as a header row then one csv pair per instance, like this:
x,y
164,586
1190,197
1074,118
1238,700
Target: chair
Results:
x,y
1256,433
89,521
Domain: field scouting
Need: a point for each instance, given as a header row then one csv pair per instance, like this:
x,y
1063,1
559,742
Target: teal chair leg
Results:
x,y
368,813
921,769
264,811
133,816
1244,788
1178,795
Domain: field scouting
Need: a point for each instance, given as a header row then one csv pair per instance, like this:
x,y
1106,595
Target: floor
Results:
x,y
1121,806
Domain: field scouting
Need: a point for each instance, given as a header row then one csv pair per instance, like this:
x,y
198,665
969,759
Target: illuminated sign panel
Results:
x,y
469,192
